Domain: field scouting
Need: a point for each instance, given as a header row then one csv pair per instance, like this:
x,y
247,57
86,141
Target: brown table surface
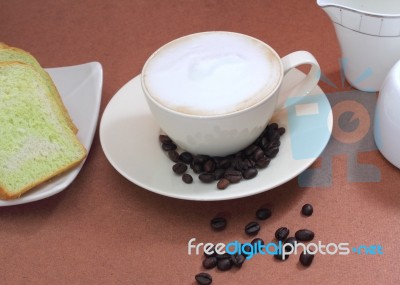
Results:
x,y
104,229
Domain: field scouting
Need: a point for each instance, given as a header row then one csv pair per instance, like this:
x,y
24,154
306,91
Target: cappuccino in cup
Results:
x,y
212,73
213,93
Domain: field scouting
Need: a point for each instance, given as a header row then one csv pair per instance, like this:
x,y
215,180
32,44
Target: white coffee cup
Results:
x,y
214,92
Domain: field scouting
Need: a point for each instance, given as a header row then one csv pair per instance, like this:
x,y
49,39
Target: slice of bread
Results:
x,y
8,54
36,143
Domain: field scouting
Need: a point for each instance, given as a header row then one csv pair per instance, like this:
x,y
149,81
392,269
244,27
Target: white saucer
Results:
x,y
80,88
129,138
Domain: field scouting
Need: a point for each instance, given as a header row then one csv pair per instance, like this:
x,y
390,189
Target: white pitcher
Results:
x,y
387,117
368,32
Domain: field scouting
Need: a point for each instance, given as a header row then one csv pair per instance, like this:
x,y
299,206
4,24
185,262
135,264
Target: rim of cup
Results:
x,y
222,115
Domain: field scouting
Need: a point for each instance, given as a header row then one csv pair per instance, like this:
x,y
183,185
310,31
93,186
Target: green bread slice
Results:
x,y
36,143
11,54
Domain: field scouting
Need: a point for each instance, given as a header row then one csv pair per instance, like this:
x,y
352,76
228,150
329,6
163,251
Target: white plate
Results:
x,y
129,138
80,88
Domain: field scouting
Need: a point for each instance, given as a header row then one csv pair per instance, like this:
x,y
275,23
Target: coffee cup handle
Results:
x,y
307,84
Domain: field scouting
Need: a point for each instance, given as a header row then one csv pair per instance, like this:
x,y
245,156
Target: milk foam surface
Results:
x,y
212,73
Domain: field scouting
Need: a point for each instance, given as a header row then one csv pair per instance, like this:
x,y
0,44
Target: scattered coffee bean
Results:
x,y
223,256
250,149
281,130
224,264
168,146
186,157
263,162
252,228
306,259
210,252
206,177
304,235
279,256
179,168
173,155
246,250
203,278
291,240
187,178
218,223
282,233
272,152
209,166
223,183
263,213
250,173
257,241
164,139
210,262
238,260
219,173
234,176
307,210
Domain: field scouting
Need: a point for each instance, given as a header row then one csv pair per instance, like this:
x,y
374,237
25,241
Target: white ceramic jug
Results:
x,y
368,32
387,117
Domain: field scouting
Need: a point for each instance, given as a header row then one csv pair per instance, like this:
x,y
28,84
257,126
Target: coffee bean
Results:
x,y
169,146
281,233
250,150
164,139
234,167
223,256
246,249
264,143
187,178
186,157
209,166
203,278
280,257
291,240
272,126
304,235
272,152
274,144
273,135
224,163
223,183
210,252
257,241
263,213
210,262
234,176
173,155
250,173
197,168
238,260
306,259
307,210
219,173
238,164
218,223
200,159
206,177
224,264
179,168
252,228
